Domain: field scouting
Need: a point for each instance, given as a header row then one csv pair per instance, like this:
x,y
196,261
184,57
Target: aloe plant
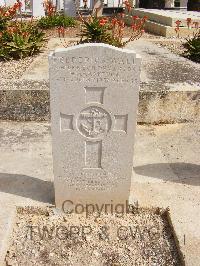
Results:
x,y
20,41
193,47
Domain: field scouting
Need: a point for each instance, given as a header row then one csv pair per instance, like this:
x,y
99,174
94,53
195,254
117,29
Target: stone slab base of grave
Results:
x,y
169,89
167,31
163,22
166,166
116,246
7,220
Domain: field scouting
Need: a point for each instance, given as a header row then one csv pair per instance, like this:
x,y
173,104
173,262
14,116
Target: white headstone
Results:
x,y
2,2
70,8
169,3
23,7
38,8
98,8
183,3
94,97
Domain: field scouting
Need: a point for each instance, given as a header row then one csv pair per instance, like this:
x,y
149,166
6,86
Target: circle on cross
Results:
x,y
94,122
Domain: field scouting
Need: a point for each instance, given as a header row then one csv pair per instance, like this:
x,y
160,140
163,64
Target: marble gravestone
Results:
x,y
38,8
70,8
98,8
94,97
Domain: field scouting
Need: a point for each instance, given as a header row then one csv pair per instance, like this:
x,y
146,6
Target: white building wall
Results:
x,y
108,3
7,2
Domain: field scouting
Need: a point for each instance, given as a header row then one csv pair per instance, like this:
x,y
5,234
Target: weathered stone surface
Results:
x,y
94,96
24,105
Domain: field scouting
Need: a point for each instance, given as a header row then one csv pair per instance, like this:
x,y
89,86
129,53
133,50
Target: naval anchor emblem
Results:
x,y
94,122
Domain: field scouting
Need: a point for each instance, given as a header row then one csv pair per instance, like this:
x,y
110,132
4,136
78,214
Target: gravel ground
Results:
x,y
175,46
15,68
141,238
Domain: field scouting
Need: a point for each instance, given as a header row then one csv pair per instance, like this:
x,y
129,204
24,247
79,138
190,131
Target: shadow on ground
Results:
x,y
187,173
27,187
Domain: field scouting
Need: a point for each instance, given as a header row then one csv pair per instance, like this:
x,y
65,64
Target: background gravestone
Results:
x,y
70,8
38,8
94,96
98,8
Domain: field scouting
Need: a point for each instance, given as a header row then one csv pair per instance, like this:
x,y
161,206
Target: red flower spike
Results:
x,y
145,18
135,17
178,22
196,24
